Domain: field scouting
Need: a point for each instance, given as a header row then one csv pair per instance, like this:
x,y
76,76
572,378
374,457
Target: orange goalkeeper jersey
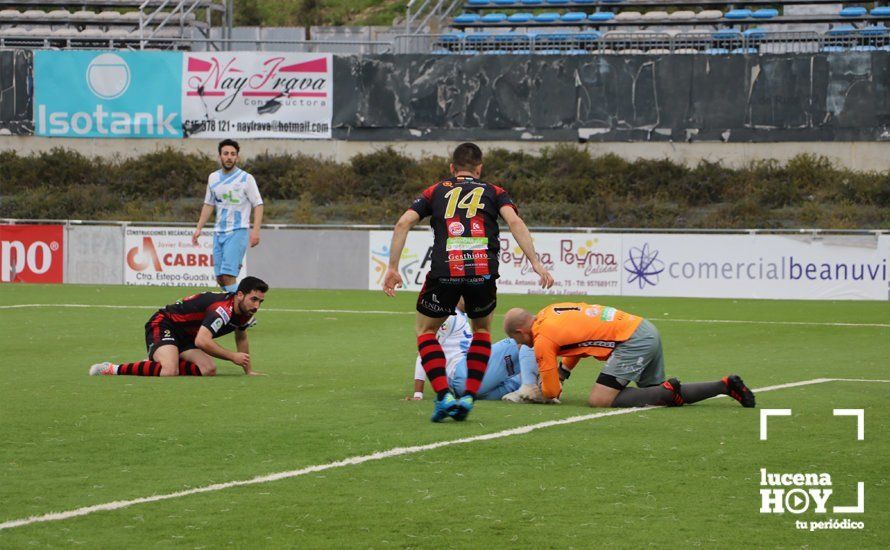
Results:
x,y
574,330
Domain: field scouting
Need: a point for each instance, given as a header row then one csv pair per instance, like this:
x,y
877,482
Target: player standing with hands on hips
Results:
x,y
463,213
234,194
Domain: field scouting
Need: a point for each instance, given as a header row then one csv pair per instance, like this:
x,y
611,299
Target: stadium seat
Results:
x,y
573,17
552,37
655,15
766,13
873,30
755,34
842,30
744,51
441,52
832,49
494,18
716,51
709,14
10,14
864,49
853,11
659,51
547,17
33,14
495,52
522,17
682,15
738,14
588,36
83,14
885,48
452,37
515,38
504,2
576,51
59,14
557,2
477,2
478,37
727,34
629,16
585,1
601,16
465,18
882,11
532,2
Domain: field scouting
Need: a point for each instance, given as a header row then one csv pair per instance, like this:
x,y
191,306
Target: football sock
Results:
x,y
139,368
697,391
477,361
433,360
188,369
641,397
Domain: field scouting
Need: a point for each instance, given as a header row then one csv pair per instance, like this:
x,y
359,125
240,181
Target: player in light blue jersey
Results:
x,y
234,194
510,368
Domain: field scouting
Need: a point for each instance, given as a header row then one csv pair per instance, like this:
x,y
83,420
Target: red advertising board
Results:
x,y
31,253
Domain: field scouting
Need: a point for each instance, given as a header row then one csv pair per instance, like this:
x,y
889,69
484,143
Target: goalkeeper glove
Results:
x,y
564,373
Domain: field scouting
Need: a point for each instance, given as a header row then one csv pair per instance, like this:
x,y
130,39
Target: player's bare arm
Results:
x,y
392,280
242,344
204,341
524,240
257,222
206,210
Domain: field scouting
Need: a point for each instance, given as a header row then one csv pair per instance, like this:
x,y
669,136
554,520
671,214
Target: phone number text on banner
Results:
x,y
257,95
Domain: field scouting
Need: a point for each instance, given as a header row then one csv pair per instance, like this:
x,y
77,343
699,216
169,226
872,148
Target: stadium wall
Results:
x,y
16,93
852,266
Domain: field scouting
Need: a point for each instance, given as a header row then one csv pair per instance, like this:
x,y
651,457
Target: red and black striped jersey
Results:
x,y
464,216
208,309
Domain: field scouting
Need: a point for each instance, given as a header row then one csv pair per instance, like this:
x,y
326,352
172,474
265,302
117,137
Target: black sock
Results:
x,y
640,397
440,395
698,391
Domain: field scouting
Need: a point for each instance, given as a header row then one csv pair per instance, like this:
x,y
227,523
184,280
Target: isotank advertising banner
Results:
x,y
107,94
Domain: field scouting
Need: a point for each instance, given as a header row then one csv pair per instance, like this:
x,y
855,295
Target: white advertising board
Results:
x,y
165,256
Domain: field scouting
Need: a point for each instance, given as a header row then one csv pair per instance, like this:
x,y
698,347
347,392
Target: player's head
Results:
x,y
228,150
467,157
518,326
250,295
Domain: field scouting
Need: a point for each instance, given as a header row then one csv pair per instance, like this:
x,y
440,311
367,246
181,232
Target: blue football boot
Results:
x,y
444,407
464,406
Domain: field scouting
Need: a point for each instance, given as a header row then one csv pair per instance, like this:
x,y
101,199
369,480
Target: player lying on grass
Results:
x,y
630,346
180,336
511,373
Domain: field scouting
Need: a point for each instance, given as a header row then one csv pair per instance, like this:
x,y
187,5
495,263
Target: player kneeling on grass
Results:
x,y
511,373
630,346
180,336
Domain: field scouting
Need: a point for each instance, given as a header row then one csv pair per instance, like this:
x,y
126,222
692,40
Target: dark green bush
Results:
x,y
563,186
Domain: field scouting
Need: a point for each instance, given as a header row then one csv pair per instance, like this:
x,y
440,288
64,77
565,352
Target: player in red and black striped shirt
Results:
x,y
179,337
463,213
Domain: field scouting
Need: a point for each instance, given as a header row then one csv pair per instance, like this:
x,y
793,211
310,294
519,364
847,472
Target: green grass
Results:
x,y
662,477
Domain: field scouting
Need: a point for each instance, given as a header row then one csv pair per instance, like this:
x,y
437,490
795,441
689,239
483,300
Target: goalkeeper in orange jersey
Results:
x,y
630,347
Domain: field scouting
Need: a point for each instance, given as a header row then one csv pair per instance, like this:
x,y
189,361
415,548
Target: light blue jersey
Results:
x,y
234,194
509,366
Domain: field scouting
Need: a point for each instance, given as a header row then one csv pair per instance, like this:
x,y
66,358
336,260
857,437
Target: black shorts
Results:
x,y
160,331
439,296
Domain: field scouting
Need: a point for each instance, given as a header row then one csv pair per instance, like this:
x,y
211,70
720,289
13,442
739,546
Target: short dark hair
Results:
x,y
229,143
249,284
467,156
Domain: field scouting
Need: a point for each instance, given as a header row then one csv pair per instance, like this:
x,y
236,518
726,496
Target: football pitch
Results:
x,y
319,426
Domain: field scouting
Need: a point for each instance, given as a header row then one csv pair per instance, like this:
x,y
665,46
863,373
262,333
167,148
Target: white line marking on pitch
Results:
x,y
398,451
383,312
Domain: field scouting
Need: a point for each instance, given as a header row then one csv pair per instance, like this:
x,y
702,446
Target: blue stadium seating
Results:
x,y
853,11
520,18
766,13
573,17
738,14
601,16
547,17
882,11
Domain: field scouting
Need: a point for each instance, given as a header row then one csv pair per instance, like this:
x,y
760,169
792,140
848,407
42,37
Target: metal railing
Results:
x,y
629,43
426,15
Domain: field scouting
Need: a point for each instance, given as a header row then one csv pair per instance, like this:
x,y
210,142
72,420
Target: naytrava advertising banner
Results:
x,y
257,95
821,267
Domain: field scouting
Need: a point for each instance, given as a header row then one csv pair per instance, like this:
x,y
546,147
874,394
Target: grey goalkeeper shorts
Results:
x,y
638,359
